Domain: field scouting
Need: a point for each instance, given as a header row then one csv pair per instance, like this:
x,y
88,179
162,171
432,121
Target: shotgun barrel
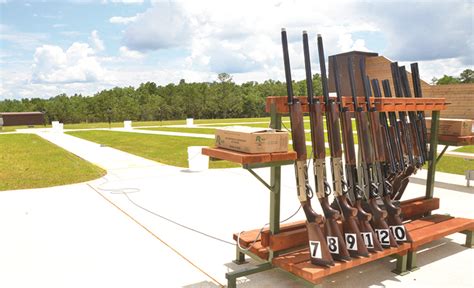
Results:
x,y
416,131
415,73
407,136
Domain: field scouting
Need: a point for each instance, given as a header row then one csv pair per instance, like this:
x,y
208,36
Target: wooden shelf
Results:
x,y
455,140
246,158
382,104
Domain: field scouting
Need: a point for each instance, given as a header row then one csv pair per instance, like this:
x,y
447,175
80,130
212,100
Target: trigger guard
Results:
x,y
345,187
327,189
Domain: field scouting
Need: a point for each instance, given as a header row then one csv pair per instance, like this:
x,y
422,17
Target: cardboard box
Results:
x,y
453,127
252,139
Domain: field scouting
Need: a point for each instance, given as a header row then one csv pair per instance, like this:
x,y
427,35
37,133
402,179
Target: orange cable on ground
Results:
x,y
158,238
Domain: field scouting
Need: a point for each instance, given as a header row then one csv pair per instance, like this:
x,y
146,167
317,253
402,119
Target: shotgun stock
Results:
x,y
319,251
353,237
334,236
353,186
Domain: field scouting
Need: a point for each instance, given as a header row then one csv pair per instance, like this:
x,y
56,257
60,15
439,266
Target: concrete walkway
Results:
x,y
72,236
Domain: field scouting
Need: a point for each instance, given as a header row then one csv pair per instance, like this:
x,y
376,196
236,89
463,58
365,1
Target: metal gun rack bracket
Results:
x,y
285,247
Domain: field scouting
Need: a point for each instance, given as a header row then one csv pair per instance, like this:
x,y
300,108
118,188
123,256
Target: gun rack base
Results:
x,y
295,260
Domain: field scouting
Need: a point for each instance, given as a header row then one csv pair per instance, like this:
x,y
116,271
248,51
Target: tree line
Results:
x,y
209,100
466,76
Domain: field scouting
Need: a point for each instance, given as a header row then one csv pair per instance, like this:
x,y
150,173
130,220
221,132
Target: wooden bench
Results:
x,y
434,227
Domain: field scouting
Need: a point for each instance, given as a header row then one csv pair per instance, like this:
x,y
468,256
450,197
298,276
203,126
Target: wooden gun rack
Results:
x,y
285,246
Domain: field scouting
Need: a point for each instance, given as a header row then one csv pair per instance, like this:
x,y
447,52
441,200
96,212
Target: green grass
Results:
x,y
168,150
466,149
13,128
28,161
183,130
453,165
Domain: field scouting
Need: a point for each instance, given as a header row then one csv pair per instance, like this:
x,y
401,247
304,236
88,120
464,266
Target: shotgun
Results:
x,y
404,166
335,239
415,131
353,186
393,219
413,119
406,135
319,250
353,238
415,74
368,167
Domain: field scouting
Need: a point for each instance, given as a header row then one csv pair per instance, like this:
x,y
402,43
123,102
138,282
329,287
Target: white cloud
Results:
x,y
160,27
127,1
132,54
76,64
21,40
122,20
96,42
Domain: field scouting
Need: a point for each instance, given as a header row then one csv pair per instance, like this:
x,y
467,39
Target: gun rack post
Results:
x,y
285,247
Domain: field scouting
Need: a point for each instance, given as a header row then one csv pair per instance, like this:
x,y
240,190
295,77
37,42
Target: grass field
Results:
x,y
164,149
183,130
453,165
211,131
13,128
466,149
28,161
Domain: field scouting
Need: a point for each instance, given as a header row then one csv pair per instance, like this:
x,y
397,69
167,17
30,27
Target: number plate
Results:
x,y
315,249
351,241
333,244
399,232
384,236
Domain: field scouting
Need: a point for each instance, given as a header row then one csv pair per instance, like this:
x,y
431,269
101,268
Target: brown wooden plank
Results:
x,y
235,156
407,201
299,264
284,156
382,104
247,237
454,140
286,261
289,239
283,228
433,232
415,208
426,221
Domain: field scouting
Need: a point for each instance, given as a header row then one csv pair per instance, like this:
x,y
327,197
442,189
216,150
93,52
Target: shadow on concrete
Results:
x,y
369,274
203,284
444,185
437,250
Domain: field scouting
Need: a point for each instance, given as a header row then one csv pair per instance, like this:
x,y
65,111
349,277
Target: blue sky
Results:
x,y
48,48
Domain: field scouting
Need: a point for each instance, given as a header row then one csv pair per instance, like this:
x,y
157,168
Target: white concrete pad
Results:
x,y
70,236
